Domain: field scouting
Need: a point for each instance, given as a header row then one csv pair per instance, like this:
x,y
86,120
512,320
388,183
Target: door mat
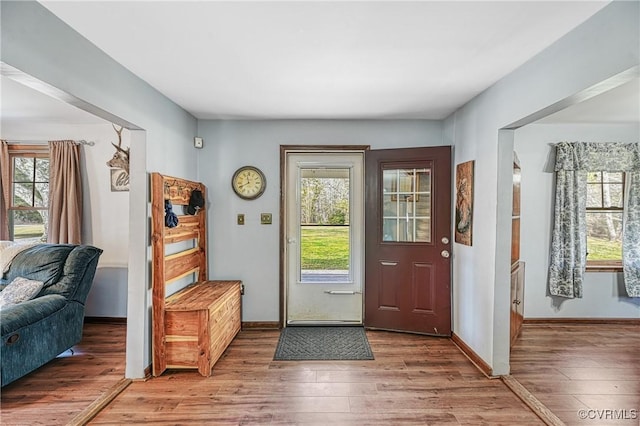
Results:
x,y
323,343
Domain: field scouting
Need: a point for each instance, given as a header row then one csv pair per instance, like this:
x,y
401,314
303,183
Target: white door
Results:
x,y
324,235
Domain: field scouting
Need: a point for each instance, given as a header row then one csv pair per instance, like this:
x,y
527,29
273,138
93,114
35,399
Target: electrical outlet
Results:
x,y
240,219
265,218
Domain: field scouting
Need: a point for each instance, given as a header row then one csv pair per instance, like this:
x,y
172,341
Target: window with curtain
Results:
x,y
28,210
41,192
595,179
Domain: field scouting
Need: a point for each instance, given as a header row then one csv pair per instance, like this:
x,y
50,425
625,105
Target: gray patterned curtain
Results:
x,y
569,242
631,234
569,239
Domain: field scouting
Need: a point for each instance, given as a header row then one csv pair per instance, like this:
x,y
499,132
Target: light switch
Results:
x,y
240,219
265,218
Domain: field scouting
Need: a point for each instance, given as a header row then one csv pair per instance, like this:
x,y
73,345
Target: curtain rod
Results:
x,y
43,142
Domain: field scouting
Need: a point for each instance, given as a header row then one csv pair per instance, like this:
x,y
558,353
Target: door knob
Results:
x,y
445,254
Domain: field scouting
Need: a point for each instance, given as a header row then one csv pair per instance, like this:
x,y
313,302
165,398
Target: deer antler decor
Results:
x,y
120,159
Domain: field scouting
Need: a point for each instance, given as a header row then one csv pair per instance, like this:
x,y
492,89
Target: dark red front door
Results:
x,y
408,240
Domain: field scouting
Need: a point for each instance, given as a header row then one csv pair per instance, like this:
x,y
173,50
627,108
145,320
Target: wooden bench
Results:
x,y
200,322
193,326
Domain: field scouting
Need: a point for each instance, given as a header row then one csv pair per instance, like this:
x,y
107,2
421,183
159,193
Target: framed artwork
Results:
x,y
464,203
119,180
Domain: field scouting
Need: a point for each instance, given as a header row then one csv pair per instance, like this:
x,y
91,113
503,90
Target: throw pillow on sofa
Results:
x,y
19,290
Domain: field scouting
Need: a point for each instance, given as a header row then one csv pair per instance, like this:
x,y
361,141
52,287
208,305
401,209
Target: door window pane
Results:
x,y
325,236
406,205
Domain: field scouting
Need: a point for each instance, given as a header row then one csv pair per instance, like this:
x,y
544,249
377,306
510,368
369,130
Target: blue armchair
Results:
x,y
36,331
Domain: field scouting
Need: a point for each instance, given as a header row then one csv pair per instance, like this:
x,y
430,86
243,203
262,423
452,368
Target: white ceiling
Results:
x,y
311,60
324,60
618,105
25,106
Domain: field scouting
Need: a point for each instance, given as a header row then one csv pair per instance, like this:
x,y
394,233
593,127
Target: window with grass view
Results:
x,y
28,212
605,206
324,220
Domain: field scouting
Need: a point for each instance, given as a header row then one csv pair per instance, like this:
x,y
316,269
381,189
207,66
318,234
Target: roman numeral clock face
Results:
x,y
248,182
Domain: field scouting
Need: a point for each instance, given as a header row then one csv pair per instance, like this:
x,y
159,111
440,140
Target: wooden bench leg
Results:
x,y
204,355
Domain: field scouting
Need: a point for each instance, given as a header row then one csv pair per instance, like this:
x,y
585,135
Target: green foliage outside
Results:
x,y
28,231
324,201
325,247
27,216
603,249
338,217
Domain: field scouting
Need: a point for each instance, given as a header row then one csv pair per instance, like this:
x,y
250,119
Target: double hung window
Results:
x,y
604,216
29,203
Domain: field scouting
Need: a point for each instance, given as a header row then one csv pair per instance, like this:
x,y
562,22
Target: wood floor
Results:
x,y
593,368
413,380
58,391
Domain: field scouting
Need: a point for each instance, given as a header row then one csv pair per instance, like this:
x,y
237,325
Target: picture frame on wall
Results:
x,y
119,180
464,203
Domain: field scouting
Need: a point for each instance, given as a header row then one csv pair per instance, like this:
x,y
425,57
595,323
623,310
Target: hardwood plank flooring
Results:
x,y
58,391
413,380
573,367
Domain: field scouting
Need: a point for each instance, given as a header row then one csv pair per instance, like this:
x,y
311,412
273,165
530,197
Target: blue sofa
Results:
x,y
36,331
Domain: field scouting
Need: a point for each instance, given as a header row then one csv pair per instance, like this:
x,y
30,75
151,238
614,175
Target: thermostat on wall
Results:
x,y
198,142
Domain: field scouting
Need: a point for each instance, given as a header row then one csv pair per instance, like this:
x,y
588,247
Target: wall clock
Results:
x,y
248,182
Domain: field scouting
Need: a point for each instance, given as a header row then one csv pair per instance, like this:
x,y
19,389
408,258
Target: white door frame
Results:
x,y
356,222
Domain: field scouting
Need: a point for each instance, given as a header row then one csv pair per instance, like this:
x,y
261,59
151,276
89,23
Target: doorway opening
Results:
x,y
131,271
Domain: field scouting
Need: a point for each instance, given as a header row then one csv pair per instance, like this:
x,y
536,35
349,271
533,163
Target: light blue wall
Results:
x,y
251,252
604,293
36,42
603,46
100,206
